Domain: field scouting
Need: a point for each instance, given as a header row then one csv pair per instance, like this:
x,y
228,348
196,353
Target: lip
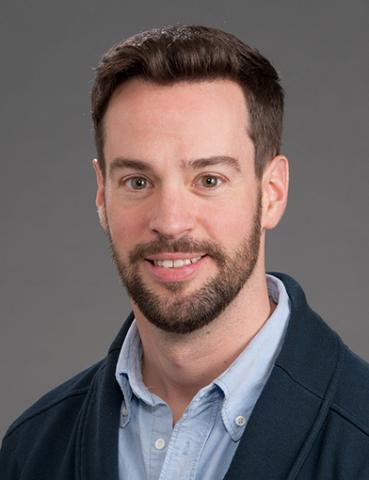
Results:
x,y
174,256
180,274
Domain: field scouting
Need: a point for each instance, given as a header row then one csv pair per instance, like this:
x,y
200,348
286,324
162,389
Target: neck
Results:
x,y
176,366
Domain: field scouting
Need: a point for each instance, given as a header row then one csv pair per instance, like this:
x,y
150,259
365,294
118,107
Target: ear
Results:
x,y
100,194
275,191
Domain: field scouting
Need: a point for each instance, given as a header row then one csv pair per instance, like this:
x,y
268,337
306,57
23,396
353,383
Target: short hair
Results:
x,y
195,53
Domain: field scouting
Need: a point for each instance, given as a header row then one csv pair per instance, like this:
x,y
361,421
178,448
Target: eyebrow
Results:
x,y
140,165
217,160
120,162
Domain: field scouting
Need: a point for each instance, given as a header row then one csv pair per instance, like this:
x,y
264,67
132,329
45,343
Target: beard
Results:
x,y
180,313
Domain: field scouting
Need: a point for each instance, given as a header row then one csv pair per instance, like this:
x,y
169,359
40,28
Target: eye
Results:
x,y
136,183
209,181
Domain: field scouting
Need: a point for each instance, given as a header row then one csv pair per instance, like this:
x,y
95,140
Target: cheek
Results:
x,y
229,223
126,226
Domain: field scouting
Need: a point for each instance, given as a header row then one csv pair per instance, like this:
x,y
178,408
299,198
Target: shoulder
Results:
x,y
66,397
39,436
58,410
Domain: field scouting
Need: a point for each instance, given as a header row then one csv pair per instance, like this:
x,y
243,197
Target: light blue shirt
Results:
x,y
204,440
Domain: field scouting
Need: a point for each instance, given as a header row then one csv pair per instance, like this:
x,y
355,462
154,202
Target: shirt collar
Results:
x,y
128,374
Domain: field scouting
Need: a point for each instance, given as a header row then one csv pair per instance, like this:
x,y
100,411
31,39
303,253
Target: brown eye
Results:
x,y
137,183
210,181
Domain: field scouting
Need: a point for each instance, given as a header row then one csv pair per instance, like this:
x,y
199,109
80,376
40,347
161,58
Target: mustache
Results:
x,y
183,245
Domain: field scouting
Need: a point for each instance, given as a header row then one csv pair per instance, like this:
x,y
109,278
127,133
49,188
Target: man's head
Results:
x,y
191,53
179,196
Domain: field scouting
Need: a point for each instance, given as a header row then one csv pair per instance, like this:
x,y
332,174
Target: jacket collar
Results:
x,y
99,433
296,398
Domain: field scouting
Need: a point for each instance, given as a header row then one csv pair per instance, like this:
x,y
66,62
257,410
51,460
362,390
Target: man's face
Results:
x,y
181,202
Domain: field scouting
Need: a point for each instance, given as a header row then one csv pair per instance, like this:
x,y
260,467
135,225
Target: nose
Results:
x,y
173,213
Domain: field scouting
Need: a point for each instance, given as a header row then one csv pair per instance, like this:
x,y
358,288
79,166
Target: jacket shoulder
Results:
x,y
352,396
76,386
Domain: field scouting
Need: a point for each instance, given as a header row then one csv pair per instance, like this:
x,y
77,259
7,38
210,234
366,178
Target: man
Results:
x,y
221,371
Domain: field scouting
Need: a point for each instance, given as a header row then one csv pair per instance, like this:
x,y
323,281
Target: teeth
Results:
x,y
178,263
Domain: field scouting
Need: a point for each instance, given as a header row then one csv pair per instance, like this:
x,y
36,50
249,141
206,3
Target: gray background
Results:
x,y
61,303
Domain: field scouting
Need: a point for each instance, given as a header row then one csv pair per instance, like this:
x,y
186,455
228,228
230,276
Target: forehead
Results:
x,y
138,97
191,118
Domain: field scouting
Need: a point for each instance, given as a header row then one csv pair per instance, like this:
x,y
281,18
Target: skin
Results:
x,y
168,128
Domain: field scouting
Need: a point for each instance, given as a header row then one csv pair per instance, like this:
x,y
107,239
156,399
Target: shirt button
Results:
x,y
124,411
240,420
160,443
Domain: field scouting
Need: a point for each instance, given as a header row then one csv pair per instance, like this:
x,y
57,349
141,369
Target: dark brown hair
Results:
x,y
189,52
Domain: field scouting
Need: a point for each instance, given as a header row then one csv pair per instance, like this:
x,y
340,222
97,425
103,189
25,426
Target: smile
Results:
x,y
177,263
174,269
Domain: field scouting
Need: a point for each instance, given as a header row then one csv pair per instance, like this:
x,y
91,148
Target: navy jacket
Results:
x,y
310,422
